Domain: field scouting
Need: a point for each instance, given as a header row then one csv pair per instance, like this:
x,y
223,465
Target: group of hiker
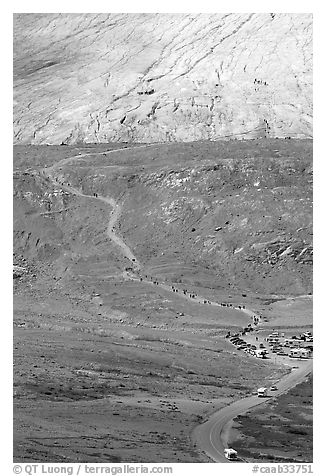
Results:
x,y
204,301
259,81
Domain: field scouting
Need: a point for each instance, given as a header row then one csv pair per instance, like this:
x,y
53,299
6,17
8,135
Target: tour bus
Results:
x,y
262,392
230,454
300,353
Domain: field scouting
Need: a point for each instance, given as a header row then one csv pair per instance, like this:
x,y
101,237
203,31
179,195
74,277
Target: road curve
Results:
x,y
208,436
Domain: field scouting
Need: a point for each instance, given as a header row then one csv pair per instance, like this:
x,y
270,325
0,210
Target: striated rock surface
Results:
x,y
161,77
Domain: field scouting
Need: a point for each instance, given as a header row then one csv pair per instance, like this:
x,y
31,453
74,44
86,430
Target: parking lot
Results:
x,y
276,345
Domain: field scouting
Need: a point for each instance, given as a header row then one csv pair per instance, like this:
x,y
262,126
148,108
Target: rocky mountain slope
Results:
x,y
233,215
161,77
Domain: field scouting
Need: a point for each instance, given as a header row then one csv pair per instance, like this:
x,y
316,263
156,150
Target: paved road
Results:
x,y
208,436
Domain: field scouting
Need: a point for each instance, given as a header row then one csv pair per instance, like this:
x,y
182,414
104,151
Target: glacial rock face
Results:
x,y
161,77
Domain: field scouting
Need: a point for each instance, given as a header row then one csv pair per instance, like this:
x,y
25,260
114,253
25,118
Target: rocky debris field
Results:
x,y
111,368
161,77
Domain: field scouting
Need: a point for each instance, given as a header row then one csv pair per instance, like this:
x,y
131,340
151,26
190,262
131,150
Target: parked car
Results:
x,y
273,388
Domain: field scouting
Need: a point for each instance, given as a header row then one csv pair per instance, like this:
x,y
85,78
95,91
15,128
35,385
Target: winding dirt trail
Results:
x,y
89,154
115,215
179,293
49,172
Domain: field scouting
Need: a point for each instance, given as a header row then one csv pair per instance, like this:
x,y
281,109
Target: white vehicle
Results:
x,y
300,353
261,353
308,334
273,340
230,454
262,392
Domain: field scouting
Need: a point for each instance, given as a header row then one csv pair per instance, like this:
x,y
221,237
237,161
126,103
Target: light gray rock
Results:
x,y
161,77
